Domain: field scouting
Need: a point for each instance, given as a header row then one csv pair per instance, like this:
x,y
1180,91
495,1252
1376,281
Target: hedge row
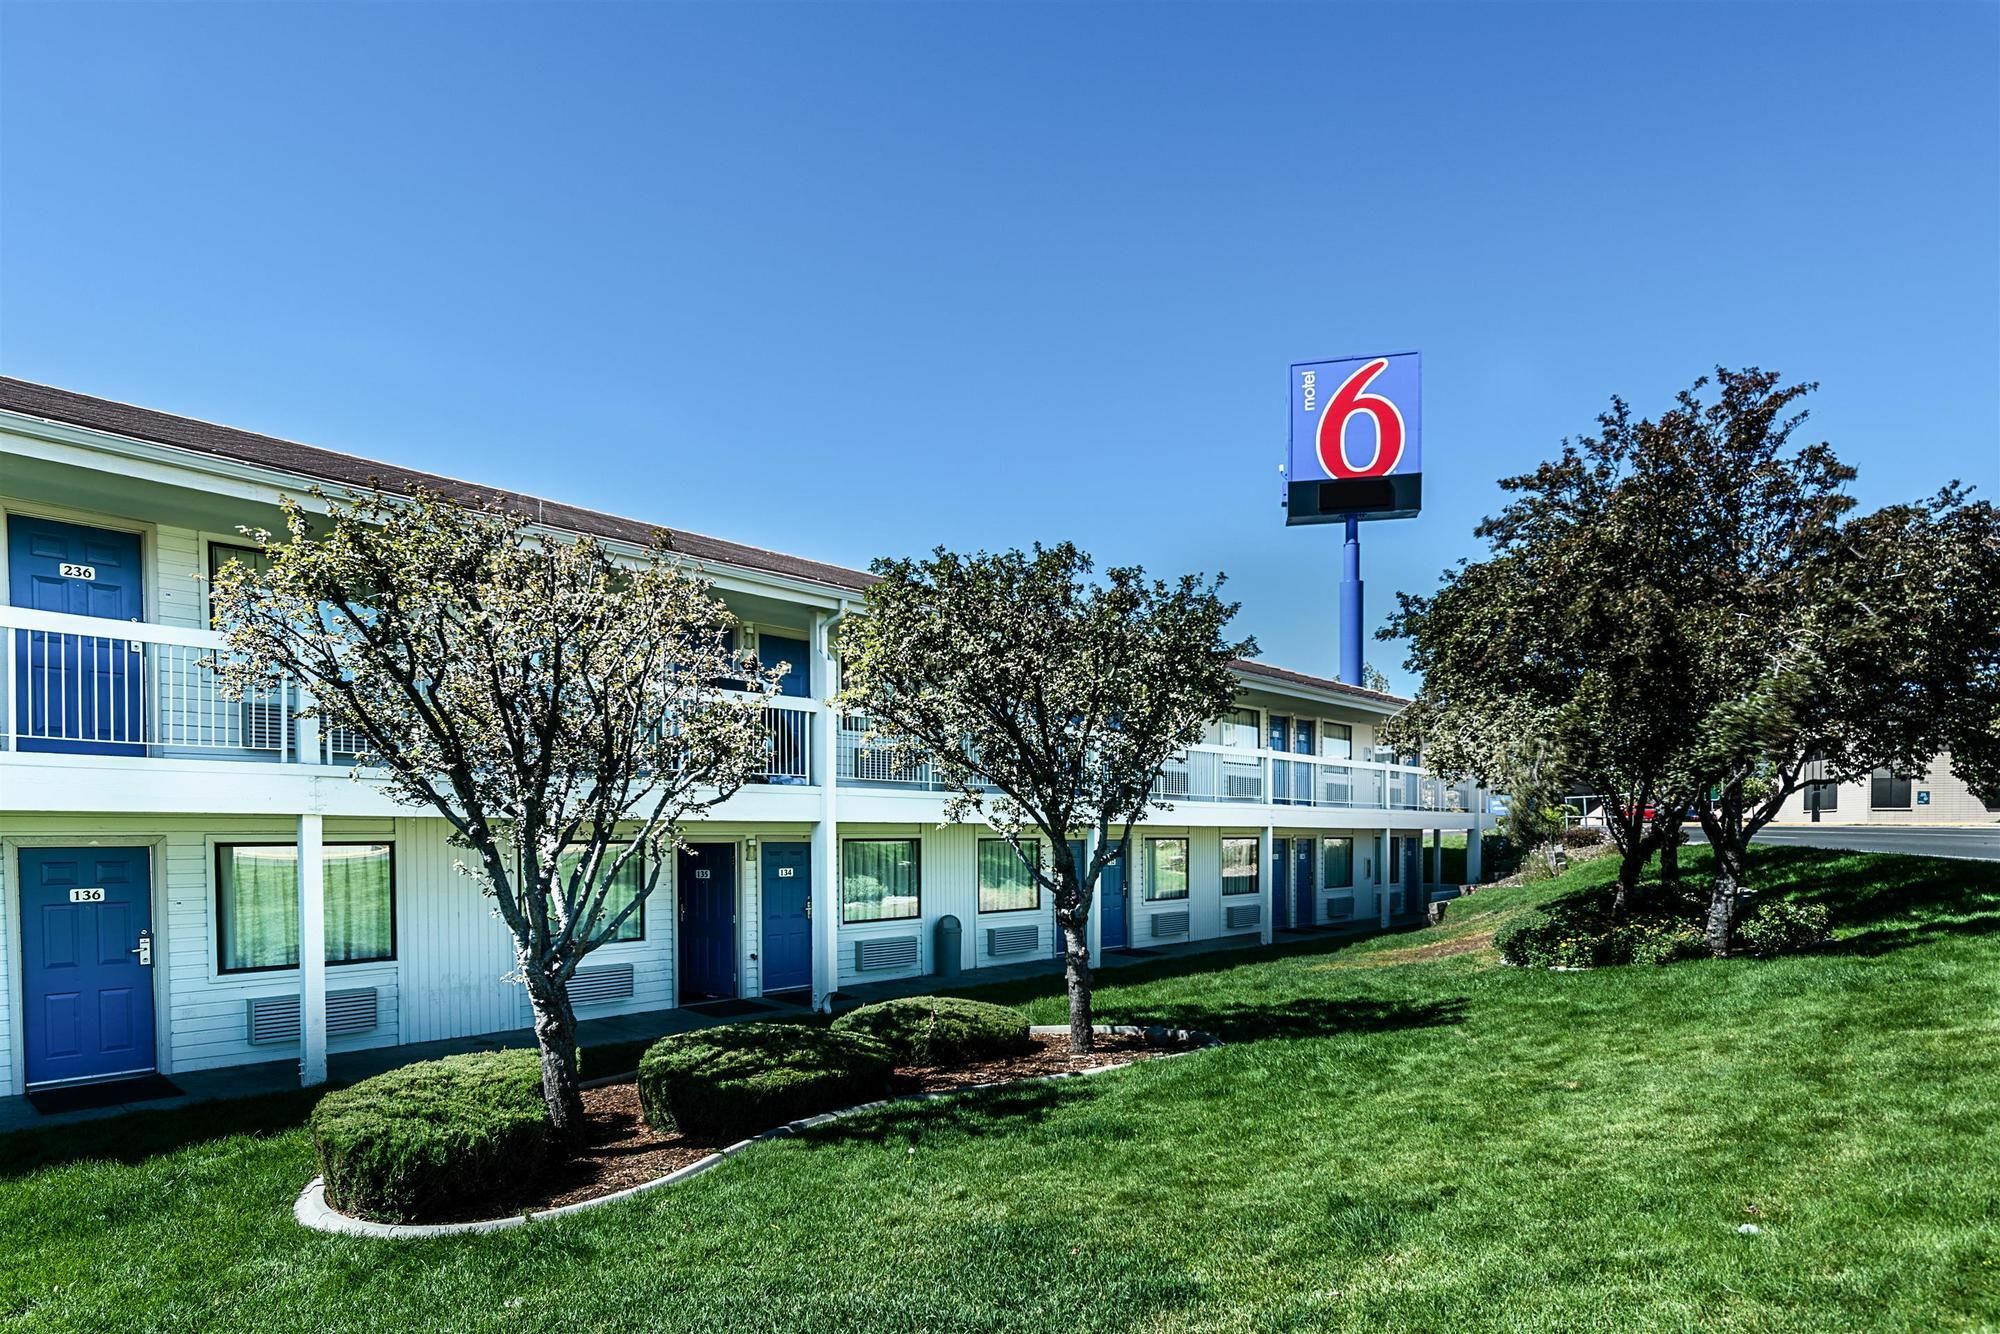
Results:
x,y
939,1030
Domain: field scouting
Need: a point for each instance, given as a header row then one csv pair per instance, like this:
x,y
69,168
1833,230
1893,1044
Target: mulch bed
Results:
x,y
622,1151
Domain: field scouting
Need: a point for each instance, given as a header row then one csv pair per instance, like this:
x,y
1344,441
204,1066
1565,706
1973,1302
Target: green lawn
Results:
x,y
1401,1133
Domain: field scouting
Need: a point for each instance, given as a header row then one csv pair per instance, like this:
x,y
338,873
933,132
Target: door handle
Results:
x,y
144,949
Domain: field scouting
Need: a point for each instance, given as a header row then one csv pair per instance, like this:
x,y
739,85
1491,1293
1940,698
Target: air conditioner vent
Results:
x,y
596,986
1242,915
884,953
274,1019
1167,924
1013,939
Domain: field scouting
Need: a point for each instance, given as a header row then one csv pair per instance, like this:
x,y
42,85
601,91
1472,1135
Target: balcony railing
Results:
x,y
83,685
1202,774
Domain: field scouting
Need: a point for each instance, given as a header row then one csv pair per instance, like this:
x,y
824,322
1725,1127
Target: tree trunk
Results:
x,y
1076,954
555,1035
1670,857
1631,864
1721,929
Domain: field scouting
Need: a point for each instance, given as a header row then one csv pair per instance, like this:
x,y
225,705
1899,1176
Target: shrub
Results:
x,y
939,1030
1781,926
1669,944
738,1080
416,1140
1578,836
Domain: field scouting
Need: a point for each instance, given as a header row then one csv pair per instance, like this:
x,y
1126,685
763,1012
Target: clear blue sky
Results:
x,y
847,280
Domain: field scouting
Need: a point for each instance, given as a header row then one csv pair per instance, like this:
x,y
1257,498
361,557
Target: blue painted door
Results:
x,y
1280,739
86,971
1111,902
1281,880
786,883
1305,880
774,649
707,885
76,694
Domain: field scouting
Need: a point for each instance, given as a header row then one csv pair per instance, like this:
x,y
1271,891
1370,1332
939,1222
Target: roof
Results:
x,y
325,465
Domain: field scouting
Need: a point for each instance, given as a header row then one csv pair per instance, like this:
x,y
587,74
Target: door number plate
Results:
x,y
73,571
701,874
784,873
86,896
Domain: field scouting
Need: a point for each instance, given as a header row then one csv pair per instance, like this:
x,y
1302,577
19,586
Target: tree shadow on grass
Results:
x,y
1251,1020
134,1137
1879,902
972,1111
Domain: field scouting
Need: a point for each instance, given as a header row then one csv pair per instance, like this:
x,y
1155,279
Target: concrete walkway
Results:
x,y
248,1081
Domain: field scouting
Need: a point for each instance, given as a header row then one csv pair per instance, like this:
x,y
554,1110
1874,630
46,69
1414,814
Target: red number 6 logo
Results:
x,y
1349,400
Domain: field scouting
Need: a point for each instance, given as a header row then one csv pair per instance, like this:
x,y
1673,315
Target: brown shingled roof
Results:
x,y
326,465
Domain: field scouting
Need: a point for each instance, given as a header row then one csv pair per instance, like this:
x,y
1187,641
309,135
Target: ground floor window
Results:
x,y
880,879
1336,863
257,903
631,876
1005,882
1822,796
1886,792
1239,866
1166,868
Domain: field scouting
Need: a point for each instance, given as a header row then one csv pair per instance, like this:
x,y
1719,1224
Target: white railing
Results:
x,y
1225,774
85,685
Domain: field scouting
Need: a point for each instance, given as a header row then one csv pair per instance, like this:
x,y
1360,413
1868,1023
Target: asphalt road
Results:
x,y
1979,844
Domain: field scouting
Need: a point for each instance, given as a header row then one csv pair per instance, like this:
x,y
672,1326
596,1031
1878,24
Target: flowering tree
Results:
x,y
561,708
1046,701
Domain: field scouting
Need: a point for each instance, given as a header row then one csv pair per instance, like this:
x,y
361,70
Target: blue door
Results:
x,y
786,882
86,963
76,694
1305,880
707,885
1111,902
774,649
1281,880
1280,739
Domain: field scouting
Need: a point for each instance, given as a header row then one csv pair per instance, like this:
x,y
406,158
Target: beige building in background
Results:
x,y
1935,796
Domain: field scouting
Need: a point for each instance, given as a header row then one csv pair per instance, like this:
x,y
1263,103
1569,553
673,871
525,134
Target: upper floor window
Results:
x,y
1239,865
1005,882
1237,727
1336,741
1886,792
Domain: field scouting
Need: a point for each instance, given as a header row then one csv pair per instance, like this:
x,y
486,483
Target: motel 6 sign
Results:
x,y
1356,439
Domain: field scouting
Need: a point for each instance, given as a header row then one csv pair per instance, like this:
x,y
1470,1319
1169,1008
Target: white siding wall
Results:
x,y
1951,803
180,575
10,982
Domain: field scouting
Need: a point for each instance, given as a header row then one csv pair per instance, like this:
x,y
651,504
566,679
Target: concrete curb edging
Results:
x,y
311,1209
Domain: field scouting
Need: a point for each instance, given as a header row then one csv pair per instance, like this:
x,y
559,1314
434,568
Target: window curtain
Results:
x,y
1166,868
879,880
259,902
1005,882
1239,866
620,892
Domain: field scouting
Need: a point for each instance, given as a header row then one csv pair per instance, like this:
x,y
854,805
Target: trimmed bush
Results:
x,y
1780,927
939,1030
415,1141
1670,945
743,1078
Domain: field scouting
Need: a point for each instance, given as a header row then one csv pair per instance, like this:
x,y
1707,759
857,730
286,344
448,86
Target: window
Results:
x,y
1237,727
1336,856
880,880
222,553
257,899
1005,882
1822,796
1166,868
1886,792
631,877
1239,866
1281,732
1336,741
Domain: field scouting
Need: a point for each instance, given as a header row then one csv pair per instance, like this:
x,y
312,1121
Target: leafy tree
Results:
x,y
1533,783
1572,629
559,707
1047,702
1372,678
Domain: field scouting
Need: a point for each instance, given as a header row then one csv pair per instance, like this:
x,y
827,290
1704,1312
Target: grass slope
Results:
x,y
1401,1133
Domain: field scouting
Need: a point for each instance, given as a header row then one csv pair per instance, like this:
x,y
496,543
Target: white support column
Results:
x,y
1264,868
312,951
307,730
826,834
1475,858
1386,876
1094,929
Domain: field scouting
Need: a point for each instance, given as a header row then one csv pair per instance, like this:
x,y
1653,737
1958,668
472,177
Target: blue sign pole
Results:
x,y
1350,606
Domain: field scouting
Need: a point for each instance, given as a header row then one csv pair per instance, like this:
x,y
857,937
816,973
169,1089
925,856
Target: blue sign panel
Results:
x,y
1356,439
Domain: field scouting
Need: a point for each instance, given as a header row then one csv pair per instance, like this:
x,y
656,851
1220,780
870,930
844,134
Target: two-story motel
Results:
x,y
189,882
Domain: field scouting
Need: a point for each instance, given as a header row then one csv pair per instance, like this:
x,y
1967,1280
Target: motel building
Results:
x,y
161,846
